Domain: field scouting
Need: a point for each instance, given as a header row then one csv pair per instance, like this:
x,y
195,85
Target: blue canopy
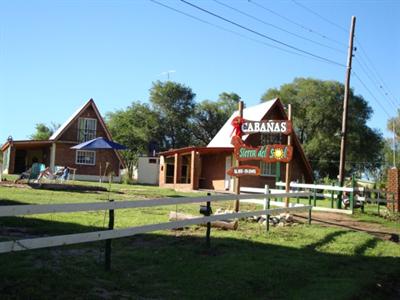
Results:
x,y
98,144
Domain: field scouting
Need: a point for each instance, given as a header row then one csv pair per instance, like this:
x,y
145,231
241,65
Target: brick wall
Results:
x,y
393,186
213,171
66,157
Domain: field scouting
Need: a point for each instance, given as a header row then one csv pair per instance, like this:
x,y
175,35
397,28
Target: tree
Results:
x,y
174,103
392,144
317,116
44,132
393,125
210,116
135,127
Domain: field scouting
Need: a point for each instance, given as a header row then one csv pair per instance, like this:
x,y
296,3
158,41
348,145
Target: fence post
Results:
x,y
309,216
208,232
339,198
267,205
332,195
379,202
353,183
309,198
108,242
315,196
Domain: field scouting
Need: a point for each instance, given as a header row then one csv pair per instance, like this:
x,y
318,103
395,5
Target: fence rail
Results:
x,y
61,240
358,195
15,210
44,242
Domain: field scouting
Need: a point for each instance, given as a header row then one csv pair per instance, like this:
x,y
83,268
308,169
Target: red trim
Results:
x,y
201,150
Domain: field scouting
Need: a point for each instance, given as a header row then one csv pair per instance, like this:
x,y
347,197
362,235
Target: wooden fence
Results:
x,y
356,194
53,241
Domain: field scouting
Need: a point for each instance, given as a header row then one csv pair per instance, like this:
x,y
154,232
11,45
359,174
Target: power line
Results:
x,y
278,27
382,84
372,95
310,30
228,30
364,69
263,35
320,16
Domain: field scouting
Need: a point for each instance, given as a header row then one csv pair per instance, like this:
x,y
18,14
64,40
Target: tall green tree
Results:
x,y
392,151
317,116
43,131
174,103
135,127
210,116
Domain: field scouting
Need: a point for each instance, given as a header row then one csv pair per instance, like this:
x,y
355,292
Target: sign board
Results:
x,y
266,153
270,126
244,170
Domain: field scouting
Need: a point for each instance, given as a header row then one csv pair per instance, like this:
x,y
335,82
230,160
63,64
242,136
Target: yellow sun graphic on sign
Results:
x,y
278,154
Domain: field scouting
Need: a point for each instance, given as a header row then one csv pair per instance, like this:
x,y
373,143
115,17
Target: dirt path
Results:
x,y
345,221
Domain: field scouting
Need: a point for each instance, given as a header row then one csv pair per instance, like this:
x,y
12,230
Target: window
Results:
x,y
270,139
86,129
267,169
85,157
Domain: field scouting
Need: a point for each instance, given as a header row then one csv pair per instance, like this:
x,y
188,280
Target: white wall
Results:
x,y
147,172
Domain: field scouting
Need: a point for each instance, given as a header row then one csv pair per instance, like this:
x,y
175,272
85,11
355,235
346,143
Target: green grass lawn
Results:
x,y
299,262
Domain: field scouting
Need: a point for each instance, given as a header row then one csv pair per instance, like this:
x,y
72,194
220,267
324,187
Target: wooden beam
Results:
x,y
192,169
176,157
289,164
237,164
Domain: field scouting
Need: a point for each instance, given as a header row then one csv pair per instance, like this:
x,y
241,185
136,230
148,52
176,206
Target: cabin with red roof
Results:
x,y
193,168
83,125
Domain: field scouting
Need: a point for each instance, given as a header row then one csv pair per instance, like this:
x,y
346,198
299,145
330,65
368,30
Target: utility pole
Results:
x,y
345,105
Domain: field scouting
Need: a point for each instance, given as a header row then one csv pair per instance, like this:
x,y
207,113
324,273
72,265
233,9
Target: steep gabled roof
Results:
x,y
57,134
255,113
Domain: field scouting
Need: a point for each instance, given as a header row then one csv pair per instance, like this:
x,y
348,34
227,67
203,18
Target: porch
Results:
x,y
195,168
20,155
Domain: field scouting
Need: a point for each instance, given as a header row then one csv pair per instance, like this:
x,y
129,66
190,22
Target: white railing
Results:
x,y
44,242
360,195
322,187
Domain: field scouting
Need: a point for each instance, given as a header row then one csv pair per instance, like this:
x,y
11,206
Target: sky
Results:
x,y
55,55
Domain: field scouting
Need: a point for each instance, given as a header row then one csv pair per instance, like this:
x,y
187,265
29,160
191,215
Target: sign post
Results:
x,y
288,164
237,163
274,153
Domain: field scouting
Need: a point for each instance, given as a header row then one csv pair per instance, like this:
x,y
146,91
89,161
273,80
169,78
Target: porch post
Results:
x,y
52,156
176,157
163,171
192,169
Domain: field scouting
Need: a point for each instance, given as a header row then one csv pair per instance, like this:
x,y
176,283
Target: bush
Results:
x,y
126,179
